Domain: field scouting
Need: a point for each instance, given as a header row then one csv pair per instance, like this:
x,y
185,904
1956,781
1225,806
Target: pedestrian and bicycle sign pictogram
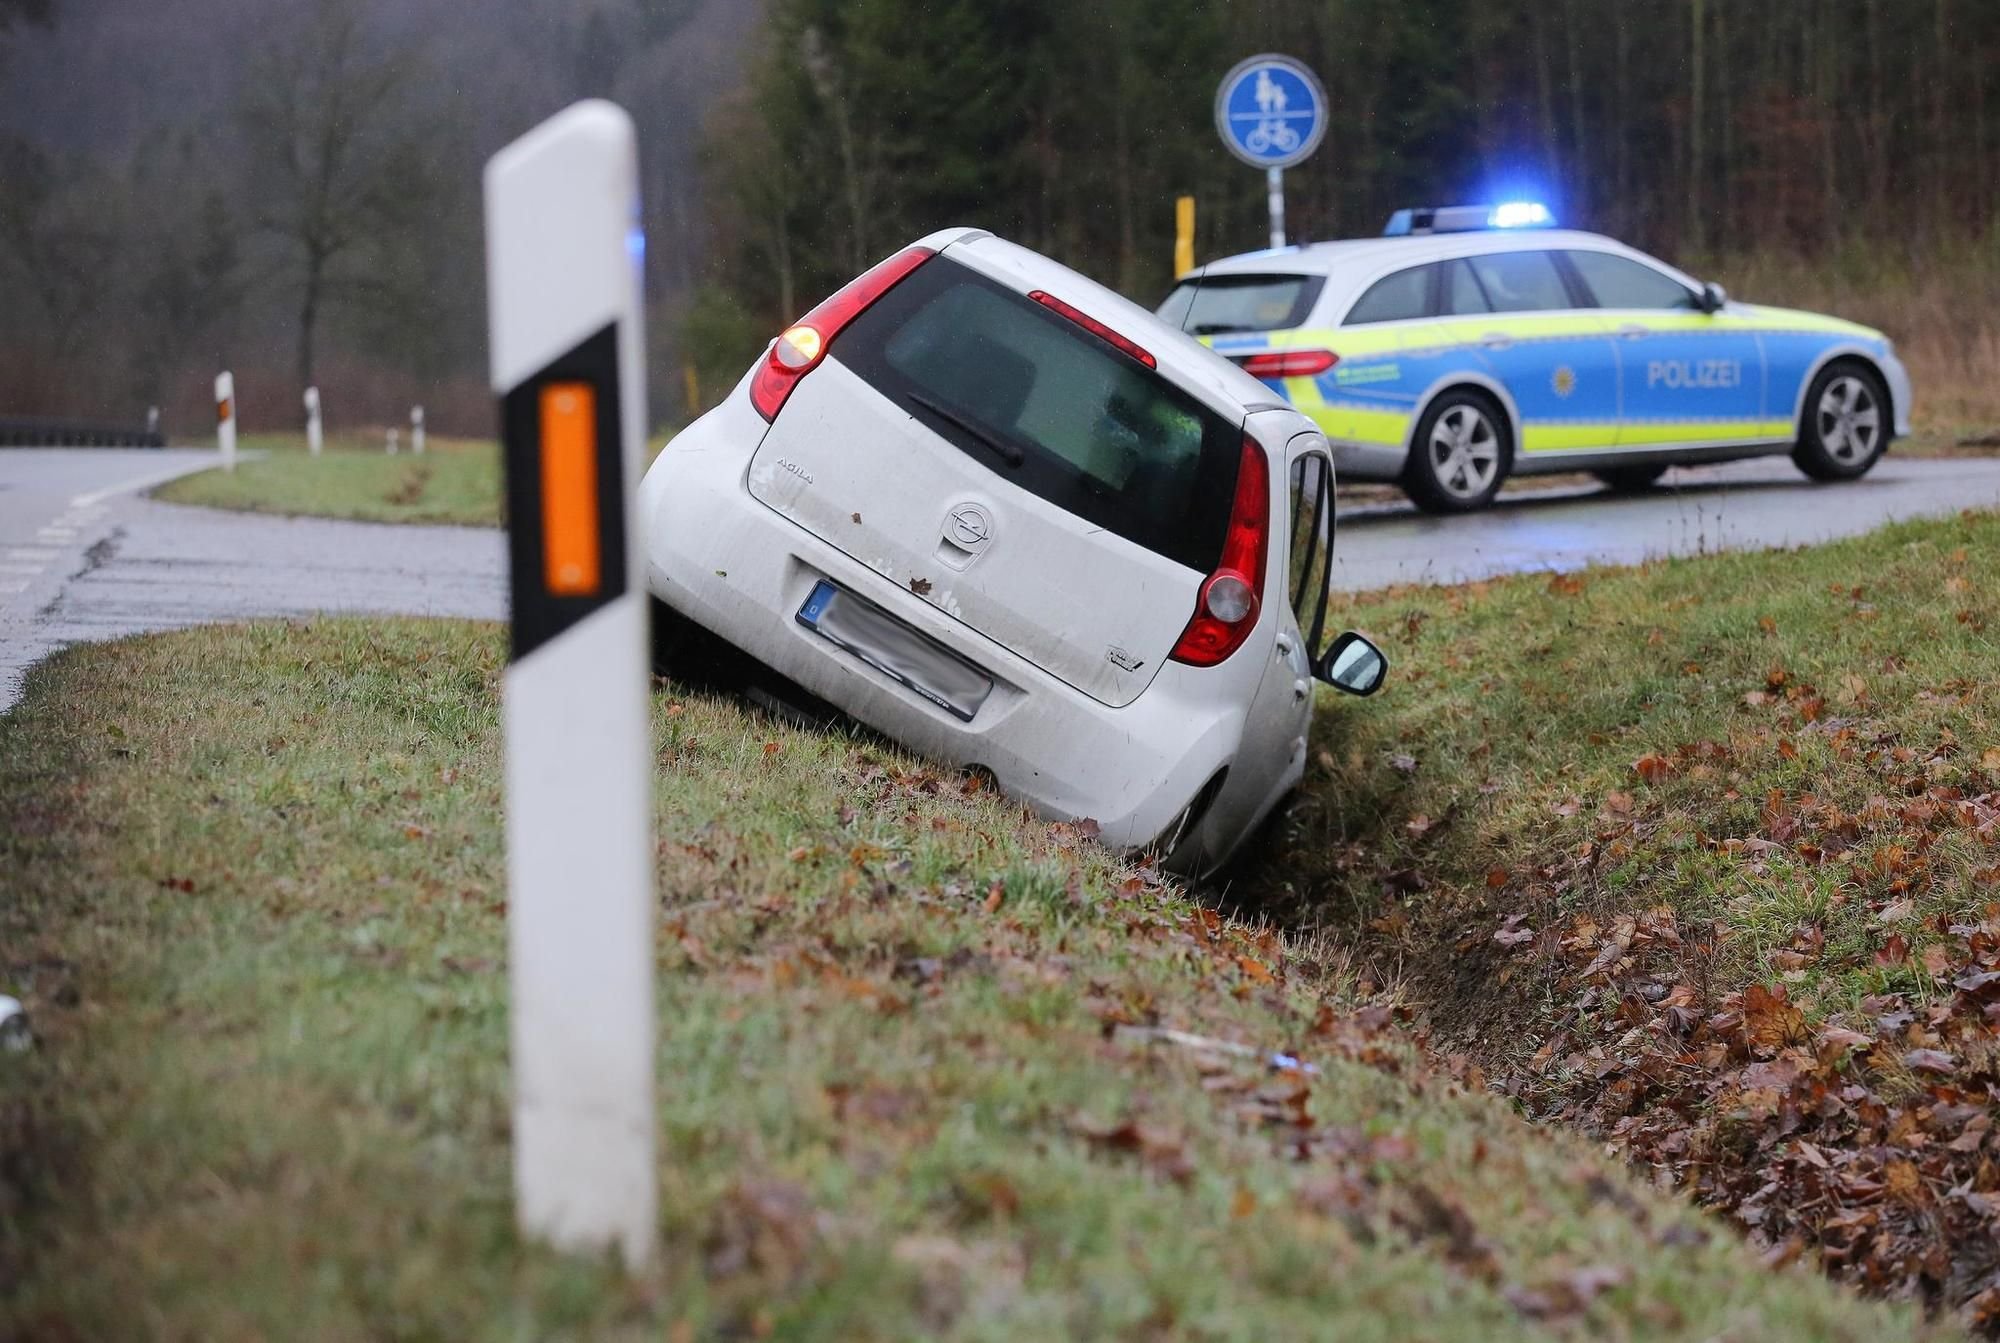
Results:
x,y
1271,111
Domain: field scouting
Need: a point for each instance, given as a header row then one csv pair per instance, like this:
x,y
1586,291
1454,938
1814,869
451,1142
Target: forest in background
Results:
x,y
161,206
1823,153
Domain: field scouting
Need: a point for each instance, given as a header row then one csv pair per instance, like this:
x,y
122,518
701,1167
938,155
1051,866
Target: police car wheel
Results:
x,y
1631,479
1846,423
1460,454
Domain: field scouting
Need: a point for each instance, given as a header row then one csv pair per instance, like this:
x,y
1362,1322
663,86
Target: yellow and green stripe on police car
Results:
x,y
1579,381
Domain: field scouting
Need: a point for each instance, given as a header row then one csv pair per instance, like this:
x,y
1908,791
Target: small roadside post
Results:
x,y
393,445
566,326
1271,112
417,430
312,421
225,418
1183,235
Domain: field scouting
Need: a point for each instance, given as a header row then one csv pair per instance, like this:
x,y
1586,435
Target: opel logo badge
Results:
x,y
968,526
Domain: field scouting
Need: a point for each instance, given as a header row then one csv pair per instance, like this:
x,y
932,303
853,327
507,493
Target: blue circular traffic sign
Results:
x,y
1271,111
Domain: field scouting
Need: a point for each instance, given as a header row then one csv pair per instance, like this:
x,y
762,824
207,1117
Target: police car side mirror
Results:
x,y
1713,297
1353,664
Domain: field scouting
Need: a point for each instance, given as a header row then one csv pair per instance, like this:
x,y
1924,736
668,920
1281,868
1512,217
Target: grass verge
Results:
x,y
1703,856
253,899
457,480
454,481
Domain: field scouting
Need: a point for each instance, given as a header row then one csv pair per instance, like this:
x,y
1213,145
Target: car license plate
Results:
x,y
894,649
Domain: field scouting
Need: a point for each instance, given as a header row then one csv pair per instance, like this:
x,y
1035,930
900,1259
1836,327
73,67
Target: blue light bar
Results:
x,y
1468,218
1520,214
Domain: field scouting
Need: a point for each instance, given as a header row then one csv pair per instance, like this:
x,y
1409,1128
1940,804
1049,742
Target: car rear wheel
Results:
x,y
1631,479
1460,454
1846,423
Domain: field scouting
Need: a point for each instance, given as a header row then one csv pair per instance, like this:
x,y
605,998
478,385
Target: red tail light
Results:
x,y
1289,363
1094,327
804,343
1226,609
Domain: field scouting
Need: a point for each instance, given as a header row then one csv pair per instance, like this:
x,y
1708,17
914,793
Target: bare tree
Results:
x,y
340,171
856,177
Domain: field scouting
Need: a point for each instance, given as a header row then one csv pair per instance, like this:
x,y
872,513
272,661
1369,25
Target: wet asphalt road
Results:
x,y
84,556
1759,504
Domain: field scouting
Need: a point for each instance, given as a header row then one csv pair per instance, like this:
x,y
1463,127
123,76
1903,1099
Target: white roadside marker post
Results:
x,y
562,283
225,418
313,436
390,447
417,430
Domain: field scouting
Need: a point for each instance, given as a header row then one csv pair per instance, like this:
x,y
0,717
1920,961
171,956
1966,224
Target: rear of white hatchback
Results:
x,y
1017,523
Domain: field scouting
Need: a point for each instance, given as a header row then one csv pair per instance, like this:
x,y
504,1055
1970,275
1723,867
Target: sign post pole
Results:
x,y
225,418
1274,194
562,249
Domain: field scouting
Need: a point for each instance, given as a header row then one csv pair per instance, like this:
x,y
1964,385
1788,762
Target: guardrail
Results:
x,y
22,431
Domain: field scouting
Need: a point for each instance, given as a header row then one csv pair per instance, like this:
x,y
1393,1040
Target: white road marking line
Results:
x,y
56,534
32,553
11,585
137,483
6,568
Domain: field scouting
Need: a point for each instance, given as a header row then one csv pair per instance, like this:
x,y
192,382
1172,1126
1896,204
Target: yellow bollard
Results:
x,y
1183,236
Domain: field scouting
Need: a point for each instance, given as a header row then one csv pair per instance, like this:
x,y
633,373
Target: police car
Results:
x,y
1471,343
1017,523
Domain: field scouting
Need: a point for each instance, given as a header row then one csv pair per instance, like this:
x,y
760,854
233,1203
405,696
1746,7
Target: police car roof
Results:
x,y
1376,254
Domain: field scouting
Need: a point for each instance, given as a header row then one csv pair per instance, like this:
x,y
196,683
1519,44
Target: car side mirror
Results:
x,y
1713,297
1353,664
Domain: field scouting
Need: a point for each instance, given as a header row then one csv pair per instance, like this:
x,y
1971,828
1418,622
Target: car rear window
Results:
x,y
1216,304
1034,398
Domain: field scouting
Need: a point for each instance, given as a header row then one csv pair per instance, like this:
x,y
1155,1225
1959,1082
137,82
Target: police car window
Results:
x,y
1520,281
1044,405
1394,298
1219,303
1462,293
1620,282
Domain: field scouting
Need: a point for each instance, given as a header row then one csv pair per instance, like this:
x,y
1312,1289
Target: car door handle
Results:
x,y
1496,340
1632,330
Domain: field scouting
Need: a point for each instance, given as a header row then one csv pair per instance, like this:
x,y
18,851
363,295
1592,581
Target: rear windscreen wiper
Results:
x,y
1007,452
1216,328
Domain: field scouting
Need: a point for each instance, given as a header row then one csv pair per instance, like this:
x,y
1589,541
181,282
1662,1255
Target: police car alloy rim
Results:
x,y
1850,423
1465,452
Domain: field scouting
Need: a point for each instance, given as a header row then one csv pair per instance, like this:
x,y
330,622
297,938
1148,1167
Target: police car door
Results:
x,y
1517,311
1688,377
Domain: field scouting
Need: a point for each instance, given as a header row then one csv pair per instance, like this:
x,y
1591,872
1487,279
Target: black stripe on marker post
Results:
x,y
539,614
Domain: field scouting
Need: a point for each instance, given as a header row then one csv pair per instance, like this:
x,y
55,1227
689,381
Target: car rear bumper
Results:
x,y
732,565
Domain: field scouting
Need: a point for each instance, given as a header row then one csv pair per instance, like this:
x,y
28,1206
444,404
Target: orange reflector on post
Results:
x,y
570,560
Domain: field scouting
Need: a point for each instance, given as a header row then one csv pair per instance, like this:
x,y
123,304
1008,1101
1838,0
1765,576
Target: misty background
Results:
x,y
290,188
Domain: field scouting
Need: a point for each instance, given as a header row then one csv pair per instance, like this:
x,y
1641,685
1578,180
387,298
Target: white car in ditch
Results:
x,y
1019,524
